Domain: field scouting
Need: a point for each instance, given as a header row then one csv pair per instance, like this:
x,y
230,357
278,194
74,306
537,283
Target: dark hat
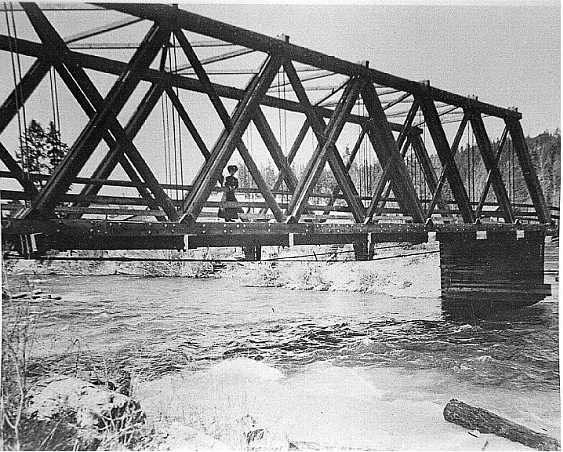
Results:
x,y
232,168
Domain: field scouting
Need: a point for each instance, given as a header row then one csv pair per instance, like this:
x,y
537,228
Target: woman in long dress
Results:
x,y
230,207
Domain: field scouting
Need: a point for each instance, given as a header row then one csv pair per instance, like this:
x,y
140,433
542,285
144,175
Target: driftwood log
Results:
x,y
486,422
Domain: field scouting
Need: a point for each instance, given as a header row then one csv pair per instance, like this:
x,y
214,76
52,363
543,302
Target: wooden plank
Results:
x,y
110,211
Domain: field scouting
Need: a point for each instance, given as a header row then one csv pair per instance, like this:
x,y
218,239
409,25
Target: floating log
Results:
x,y
486,422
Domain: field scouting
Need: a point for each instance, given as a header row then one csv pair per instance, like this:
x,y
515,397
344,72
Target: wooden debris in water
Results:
x,y
484,421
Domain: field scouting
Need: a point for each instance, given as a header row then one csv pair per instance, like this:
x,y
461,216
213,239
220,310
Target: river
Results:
x,y
360,370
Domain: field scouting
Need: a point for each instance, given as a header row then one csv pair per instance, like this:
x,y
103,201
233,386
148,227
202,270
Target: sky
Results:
x,y
505,53
508,53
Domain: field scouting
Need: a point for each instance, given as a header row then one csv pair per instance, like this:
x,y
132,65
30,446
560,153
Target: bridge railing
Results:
x,y
135,208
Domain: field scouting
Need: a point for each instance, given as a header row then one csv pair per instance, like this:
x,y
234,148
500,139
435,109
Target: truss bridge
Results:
x,y
159,101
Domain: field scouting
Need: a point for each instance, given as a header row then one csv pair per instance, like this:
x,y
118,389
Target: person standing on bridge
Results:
x,y
230,207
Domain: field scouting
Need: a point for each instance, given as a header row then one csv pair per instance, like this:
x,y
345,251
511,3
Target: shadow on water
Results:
x,y
470,310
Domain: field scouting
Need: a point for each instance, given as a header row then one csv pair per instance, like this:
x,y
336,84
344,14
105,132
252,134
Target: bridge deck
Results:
x,y
105,234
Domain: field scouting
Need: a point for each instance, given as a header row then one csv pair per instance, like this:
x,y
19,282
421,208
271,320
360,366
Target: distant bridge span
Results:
x,y
401,180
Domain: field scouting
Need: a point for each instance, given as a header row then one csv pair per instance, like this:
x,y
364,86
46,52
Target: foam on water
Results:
x,y
244,369
377,409
349,370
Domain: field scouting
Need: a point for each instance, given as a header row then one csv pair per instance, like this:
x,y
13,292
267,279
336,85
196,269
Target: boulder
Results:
x,y
93,406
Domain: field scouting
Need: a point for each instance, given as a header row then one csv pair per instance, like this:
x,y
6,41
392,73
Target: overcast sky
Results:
x,y
507,53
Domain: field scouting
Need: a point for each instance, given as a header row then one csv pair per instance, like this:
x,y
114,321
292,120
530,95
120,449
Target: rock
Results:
x,y
261,437
178,436
94,406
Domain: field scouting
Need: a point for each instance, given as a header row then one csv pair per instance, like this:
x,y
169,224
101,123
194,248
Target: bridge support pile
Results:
x,y
488,270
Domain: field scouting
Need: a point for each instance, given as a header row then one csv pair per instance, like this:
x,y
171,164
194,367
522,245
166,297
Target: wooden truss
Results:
x,y
389,141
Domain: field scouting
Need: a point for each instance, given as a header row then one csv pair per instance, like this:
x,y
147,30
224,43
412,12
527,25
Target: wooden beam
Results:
x,y
446,158
17,172
293,151
236,35
427,167
485,191
528,171
188,122
223,149
275,149
443,175
24,89
115,67
336,190
490,162
384,183
387,150
326,149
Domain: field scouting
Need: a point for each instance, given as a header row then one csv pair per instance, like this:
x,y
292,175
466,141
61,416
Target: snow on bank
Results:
x,y
321,407
399,274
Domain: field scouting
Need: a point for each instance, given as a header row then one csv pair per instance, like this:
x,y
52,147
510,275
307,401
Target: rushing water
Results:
x,y
164,326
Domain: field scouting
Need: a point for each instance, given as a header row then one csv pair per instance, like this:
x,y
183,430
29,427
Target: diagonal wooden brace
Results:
x,y
485,191
491,164
387,150
23,91
446,157
528,171
17,172
106,113
443,175
326,150
275,149
224,148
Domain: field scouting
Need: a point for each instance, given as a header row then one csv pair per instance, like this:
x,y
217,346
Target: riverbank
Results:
x,y
408,270
400,271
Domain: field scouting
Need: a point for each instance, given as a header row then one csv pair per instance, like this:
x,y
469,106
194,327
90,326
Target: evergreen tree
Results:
x,y
41,151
